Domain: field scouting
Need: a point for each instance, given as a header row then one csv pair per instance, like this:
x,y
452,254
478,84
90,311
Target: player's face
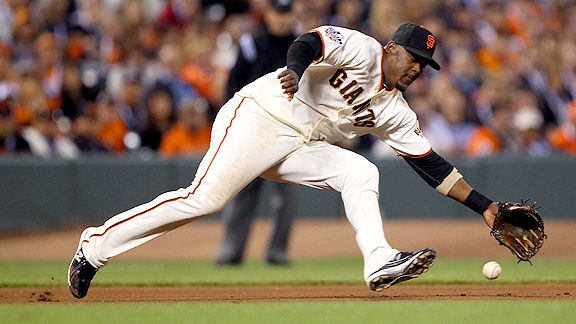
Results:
x,y
401,68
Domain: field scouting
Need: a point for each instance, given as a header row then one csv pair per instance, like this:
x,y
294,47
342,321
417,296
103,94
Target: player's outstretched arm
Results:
x,y
305,49
447,180
517,226
490,214
464,193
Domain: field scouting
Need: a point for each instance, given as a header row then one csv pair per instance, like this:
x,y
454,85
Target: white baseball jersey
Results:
x,y
343,95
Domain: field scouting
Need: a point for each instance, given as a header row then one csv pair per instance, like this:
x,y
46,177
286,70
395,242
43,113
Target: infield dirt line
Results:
x,y
328,293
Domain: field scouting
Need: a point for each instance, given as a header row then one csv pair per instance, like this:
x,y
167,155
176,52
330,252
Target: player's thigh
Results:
x,y
244,143
324,166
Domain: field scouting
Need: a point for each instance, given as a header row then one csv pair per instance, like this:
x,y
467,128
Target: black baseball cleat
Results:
x,y
404,266
80,273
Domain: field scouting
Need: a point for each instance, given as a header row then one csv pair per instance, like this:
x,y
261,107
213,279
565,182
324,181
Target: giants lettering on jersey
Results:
x,y
349,92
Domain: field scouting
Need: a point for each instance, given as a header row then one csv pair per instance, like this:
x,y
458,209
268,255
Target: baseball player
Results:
x,y
338,84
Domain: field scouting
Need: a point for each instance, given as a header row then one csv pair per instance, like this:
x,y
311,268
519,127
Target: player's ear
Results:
x,y
389,47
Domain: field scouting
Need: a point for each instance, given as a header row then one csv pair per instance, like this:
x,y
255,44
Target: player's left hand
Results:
x,y
520,228
490,214
289,80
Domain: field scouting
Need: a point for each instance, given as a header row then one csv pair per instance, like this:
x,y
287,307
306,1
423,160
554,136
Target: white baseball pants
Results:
x,y
247,142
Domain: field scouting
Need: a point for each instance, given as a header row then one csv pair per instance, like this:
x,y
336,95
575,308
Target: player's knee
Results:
x,y
369,171
364,174
201,203
212,206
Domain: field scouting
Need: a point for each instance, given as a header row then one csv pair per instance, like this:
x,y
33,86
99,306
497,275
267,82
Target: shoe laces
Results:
x,y
401,255
79,256
87,269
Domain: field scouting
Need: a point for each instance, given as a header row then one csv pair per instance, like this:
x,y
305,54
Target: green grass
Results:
x,y
305,272
358,312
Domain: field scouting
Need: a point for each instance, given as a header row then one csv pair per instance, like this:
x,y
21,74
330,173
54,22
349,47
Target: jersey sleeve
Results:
x,y
341,46
403,134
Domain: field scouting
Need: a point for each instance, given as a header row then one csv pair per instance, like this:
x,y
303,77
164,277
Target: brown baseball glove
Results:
x,y
520,228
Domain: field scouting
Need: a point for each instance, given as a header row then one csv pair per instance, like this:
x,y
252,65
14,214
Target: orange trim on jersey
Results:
x,y
382,71
130,218
322,40
219,145
382,78
173,199
415,156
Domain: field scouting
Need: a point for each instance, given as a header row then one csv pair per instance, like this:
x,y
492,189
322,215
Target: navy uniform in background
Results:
x,y
260,53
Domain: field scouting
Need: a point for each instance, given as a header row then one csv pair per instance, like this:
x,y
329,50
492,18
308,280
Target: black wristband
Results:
x,y
477,202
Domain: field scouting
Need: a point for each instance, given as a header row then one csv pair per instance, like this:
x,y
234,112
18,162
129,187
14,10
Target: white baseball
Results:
x,y
491,270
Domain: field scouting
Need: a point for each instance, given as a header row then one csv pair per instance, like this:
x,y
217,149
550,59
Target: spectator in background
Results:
x,y
528,122
311,14
80,50
10,139
25,31
165,73
179,13
72,101
351,14
260,53
85,134
434,127
465,72
50,67
198,70
385,15
54,17
6,22
160,116
46,140
130,102
492,138
191,134
37,124
111,129
453,106
563,137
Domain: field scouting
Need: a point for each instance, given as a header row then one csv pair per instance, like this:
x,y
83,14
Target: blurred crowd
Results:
x,y
148,76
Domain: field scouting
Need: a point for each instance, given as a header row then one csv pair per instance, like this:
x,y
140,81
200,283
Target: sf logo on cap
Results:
x,y
430,41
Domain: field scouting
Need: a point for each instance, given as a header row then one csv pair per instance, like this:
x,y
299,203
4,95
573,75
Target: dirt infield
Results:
x,y
311,239
340,293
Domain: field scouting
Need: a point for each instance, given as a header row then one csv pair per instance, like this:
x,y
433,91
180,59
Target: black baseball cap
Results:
x,y
418,41
281,5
